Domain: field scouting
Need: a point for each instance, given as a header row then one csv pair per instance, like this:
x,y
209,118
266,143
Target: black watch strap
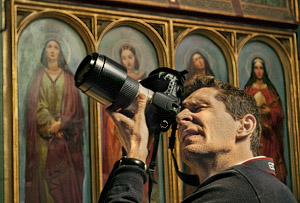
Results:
x,y
125,161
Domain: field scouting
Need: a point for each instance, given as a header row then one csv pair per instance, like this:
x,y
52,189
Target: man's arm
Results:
x,y
129,178
127,185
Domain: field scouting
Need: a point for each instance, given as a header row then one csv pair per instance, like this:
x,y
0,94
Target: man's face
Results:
x,y
205,128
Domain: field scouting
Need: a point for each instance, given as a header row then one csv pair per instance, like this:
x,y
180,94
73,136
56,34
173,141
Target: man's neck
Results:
x,y
208,168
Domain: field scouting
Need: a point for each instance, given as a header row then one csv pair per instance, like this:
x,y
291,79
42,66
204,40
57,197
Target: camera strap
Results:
x,y
186,178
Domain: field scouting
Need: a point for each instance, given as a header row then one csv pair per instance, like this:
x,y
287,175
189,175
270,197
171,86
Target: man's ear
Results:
x,y
247,126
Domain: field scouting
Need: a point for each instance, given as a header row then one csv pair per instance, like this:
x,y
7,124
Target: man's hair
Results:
x,y
237,102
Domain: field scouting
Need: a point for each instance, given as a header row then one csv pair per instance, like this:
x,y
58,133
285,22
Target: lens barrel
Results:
x,y
106,81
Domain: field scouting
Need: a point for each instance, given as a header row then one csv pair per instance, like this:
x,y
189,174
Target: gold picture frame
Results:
x,y
165,34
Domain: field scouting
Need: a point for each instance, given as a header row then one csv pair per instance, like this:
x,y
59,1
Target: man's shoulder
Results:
x,y
241,184
264,184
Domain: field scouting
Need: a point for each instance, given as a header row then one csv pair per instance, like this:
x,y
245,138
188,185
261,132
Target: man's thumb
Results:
x,y
141,103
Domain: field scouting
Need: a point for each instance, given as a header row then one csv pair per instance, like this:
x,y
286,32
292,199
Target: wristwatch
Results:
x,y
125,161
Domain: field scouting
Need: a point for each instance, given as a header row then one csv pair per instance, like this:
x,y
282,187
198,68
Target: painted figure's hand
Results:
x,y
265,110
55,127
59,134
133,132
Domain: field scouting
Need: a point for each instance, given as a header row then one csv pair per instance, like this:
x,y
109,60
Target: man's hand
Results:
x,y
133,132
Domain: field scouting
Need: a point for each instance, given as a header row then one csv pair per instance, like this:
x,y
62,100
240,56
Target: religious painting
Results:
x,y
200,56
132,49
261,75
54,135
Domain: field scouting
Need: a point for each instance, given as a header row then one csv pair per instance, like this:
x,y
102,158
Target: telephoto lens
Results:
x,y
107,82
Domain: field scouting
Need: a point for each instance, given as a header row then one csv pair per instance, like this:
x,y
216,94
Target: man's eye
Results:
x,y
197,108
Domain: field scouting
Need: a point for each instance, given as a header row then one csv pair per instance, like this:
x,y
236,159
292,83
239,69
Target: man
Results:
x,y
219,132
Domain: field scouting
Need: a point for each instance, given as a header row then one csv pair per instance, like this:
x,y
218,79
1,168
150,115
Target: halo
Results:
x,y
43,38
248,63
137,46
115,38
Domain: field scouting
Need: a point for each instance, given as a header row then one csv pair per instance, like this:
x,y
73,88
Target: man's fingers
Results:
x,y
117,116
141,106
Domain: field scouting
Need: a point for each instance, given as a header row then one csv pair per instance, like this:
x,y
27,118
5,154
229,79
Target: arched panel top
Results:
x,y
212,34
277,47
71,20
213,46
147,30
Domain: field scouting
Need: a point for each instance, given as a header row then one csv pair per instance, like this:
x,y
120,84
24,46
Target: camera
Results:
x,y
106,81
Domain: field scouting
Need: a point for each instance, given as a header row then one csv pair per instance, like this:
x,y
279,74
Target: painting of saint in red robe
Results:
x,y
112,148
54,129
268,101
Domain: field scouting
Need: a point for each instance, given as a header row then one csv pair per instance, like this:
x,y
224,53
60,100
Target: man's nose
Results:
x,y
184,115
